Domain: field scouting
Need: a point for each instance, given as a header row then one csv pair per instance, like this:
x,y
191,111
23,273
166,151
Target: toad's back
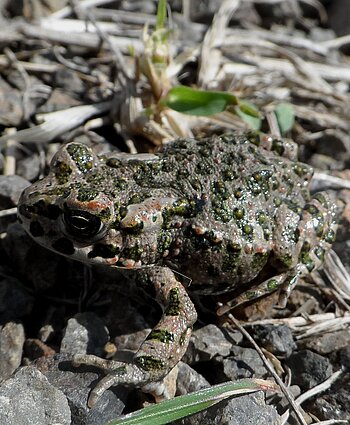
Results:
x,y
219,210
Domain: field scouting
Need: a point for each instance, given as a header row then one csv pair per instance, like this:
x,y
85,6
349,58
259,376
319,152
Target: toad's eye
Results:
x,y
82,224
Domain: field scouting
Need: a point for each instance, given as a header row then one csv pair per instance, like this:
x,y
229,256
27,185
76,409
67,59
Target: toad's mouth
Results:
x,y
98,254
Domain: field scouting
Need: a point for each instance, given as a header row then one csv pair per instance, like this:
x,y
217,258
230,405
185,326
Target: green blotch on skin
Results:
x,y
238,193
81,156
149,363
253,138
113,163
86,195
133,253
233,256
267,234
250,295
104,215
135,199
321,199
238,213
183,207
301,170
174,303
277,202
161,335
272,284
164,241
145,172
58,191
62,172
319,225
312,209
286,260
319,252
183,337
293,206
247,229
262,218
305,256
259,260
278,146
330,236
219,189
318,219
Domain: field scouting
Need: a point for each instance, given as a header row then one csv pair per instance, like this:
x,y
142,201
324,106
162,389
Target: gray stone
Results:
x,y
276,339
309,369
15,302
328,342
206,343
246,363
188,380
76,384
11,188
244,410
11,347
85,333
334,404
41,267
29,399
29,167
344,357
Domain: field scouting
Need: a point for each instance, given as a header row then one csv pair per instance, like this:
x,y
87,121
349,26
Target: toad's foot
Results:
x,y
164,346
285,281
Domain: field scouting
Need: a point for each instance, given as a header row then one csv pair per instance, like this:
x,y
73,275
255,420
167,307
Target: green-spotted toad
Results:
x,y
229,212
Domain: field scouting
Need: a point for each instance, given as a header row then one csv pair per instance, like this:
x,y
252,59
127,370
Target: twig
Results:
x,y
210,57
58,123
118,57
336,43
270,368
312,392
9,211
66,11
337,274
88,40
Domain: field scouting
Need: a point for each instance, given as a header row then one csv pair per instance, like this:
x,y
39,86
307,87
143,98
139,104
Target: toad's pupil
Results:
x,y
81,223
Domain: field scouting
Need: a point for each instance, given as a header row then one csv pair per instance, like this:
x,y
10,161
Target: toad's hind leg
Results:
x,y
316,233
301,240
164,346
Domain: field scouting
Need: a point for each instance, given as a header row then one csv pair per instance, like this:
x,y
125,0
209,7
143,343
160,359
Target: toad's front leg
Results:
x,y
164,346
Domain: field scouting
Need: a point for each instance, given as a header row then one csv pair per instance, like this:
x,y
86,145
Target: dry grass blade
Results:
x,y
328,325
337,274
57,123
315,81
210,58
84,4
298,323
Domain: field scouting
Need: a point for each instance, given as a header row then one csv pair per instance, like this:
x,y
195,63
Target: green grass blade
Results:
x,y
285,117
161,15
198,102
254,122
179,407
